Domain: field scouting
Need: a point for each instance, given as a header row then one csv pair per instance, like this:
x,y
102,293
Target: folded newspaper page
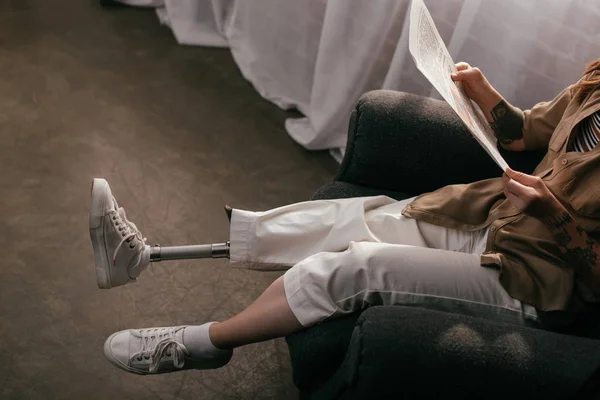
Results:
x,y
433,60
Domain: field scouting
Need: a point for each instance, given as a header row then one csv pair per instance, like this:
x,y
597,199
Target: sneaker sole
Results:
x,y
97,207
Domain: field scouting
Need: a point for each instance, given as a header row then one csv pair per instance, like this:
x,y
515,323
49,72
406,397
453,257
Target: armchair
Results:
x,y
402,145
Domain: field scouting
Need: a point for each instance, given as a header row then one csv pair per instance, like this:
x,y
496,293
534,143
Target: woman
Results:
x,y
507,249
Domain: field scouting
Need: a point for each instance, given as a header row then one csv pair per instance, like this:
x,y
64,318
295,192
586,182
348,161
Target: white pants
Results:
x,y
347,254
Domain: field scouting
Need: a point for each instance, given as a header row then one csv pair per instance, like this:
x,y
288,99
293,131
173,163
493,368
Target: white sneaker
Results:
x,y
160,350
120,251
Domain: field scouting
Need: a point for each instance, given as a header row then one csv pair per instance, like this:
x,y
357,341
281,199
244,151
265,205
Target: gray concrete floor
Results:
x,y
87,92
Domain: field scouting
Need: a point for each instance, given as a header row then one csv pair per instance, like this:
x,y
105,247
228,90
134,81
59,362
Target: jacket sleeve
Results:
x,y
542,119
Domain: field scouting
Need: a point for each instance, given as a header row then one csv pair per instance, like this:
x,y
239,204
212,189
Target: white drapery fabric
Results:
x,y
319,56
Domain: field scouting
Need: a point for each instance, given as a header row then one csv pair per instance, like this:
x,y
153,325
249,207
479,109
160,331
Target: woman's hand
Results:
x,y
530,195
505,120
477,87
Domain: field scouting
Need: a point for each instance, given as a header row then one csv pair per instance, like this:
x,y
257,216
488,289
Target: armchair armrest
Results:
x,y
418,353
403,142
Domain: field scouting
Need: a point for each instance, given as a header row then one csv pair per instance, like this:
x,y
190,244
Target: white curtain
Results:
x,y
320,55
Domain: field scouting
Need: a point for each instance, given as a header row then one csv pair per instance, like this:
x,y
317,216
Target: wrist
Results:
x,y
556,209
487,103
557,217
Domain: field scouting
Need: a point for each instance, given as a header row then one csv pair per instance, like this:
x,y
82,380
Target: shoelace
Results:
x,y
160,343
128,232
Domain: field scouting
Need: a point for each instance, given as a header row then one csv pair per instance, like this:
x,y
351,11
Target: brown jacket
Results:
x,y
533,268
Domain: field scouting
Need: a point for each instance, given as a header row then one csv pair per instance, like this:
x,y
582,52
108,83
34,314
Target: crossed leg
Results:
x,y
339,256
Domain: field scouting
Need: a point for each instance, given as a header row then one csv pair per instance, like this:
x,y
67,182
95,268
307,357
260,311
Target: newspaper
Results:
x,y
433,60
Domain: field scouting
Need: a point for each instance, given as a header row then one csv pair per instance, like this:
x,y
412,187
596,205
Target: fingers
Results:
x,y
469,74
528,180
521,196
519,203
518,189
528,197
462,66
510,172
514,193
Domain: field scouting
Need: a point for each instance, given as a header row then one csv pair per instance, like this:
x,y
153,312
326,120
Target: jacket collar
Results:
x,y
588,106
591,103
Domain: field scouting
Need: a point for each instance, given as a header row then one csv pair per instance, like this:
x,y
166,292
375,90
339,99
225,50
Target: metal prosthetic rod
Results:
x,y
218,250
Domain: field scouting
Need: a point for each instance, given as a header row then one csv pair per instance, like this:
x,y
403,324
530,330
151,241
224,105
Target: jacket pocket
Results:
x,y
581,190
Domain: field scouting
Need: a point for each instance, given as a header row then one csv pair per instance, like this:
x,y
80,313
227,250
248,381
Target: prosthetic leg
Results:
x,y
217,250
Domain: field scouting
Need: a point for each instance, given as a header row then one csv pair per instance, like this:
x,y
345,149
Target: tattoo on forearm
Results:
x,y
558,221
576,244
508,122
586,256
557,225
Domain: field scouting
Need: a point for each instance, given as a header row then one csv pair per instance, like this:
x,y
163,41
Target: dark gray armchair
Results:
x,y
402,145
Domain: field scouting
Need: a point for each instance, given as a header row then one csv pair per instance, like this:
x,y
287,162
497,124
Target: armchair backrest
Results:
x,y
404,142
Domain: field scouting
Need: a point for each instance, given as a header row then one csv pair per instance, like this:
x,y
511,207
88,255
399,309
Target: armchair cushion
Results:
x,y
413,353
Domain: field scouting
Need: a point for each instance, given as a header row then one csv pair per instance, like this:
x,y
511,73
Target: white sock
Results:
x,y
196,339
